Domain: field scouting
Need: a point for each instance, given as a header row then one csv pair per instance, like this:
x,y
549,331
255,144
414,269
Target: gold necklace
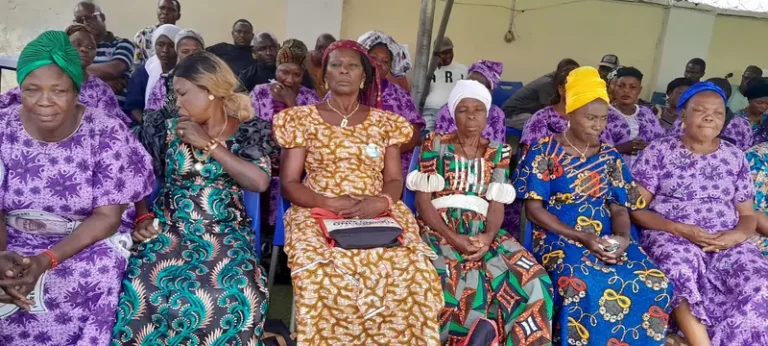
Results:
x,y
199,165
584,154
345,119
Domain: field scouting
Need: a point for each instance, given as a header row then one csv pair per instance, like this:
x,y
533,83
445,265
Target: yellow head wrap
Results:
x,y
583,86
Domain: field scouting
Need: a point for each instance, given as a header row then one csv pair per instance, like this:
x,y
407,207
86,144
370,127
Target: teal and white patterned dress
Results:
x,y
199,282
758,164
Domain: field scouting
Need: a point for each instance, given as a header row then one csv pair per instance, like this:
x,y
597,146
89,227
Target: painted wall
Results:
x,y
736,43
549,31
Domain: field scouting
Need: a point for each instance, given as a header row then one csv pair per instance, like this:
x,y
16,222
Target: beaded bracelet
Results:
x,y
54,261
389,200
144,217
212,144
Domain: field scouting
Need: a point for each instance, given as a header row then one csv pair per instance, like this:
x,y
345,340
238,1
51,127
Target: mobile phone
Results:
x,y
612,248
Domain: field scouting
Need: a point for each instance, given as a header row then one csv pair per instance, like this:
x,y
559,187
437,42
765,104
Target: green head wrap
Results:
x,y
51,47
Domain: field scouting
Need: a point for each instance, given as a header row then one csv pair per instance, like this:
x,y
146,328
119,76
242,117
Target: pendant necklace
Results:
x,y
586,149
199,165
345,118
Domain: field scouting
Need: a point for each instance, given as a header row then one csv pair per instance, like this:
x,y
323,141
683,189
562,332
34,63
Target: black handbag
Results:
x,y
350,234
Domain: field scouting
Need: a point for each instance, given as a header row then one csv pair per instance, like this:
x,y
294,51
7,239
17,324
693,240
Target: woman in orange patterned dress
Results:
x,y
350,153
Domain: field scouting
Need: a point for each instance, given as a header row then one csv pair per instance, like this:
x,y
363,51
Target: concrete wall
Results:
x,y
736,43
549,31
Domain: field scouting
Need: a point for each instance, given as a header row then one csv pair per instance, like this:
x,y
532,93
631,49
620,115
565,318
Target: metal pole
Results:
x,y
440,36
423,52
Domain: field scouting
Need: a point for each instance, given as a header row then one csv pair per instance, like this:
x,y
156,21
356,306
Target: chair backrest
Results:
x,y
504,91
282,207
409,197
252,201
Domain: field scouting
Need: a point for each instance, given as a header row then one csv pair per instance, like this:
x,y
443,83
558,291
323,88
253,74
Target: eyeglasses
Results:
x,y
94,18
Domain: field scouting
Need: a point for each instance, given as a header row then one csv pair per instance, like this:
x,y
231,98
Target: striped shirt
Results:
x,y
116,48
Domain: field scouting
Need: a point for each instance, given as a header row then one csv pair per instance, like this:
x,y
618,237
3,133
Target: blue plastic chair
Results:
x,y
504,91
409,197
511,131
252,201
278,240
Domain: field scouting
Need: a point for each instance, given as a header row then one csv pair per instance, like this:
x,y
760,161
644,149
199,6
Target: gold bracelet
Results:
x,y
211,145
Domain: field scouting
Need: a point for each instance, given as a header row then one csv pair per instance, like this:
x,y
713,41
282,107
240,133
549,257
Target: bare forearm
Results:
x,y
98,227
620,223
651,220
137,115
747,225
109,70
762,224
248,175
544,219
494,219
429,215
408,147
302,196
142,207
393,188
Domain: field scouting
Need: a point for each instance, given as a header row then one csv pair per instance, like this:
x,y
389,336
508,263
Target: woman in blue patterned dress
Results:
x,y
577,193
198,280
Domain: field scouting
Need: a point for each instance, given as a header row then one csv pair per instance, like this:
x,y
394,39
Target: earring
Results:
x,y
326,85
682,126
362,85
568,124
211,97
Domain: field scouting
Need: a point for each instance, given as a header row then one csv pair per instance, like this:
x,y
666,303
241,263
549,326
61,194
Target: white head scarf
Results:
x,y
468,89
189,33
153,66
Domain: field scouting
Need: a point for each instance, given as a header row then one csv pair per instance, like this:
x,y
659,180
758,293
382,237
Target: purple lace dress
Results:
x,y
495,130
265,107
642,125
727,290
94,93
100,164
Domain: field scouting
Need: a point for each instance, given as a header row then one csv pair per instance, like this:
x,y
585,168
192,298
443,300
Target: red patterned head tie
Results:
x,y
370,95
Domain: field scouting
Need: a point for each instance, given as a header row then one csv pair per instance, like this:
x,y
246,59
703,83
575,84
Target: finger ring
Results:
x,y
181,133
357,217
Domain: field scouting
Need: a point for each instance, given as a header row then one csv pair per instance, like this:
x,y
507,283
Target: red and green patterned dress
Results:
x,y
507,286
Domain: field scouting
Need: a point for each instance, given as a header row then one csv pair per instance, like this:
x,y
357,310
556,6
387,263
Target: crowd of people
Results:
x,y
123,168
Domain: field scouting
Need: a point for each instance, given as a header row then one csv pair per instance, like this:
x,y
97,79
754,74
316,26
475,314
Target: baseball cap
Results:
x,y
609,60
446,45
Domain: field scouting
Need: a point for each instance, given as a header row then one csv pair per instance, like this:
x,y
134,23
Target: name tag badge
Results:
x,y
372,150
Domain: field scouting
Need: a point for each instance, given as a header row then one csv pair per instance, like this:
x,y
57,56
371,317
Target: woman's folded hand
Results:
x,y
145,230
727,239
368,207
484,241
596,245
696,235
466,245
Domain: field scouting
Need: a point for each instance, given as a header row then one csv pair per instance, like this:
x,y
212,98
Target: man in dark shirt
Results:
x,y
114,55
239,56
532,97
265,47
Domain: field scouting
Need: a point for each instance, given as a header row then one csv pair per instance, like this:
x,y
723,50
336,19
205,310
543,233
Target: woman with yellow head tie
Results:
x,y
577,193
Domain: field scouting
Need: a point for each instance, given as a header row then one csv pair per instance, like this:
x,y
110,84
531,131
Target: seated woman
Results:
x,y
94,92
757,157
270,99
675,88
187,42
68,172
392,58
552,120
146,76
577,191
630,126
377,296
461,218
488,73
736,129
700,216
197,262
757,111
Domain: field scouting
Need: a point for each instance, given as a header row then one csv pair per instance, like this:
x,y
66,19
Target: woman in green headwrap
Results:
x,y
67,173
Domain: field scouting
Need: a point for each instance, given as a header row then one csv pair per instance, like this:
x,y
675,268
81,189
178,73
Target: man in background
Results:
x,y
532,97
738,101
695,69
114,55
446,75
168,12
239,55
265,47
315,62
607,64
